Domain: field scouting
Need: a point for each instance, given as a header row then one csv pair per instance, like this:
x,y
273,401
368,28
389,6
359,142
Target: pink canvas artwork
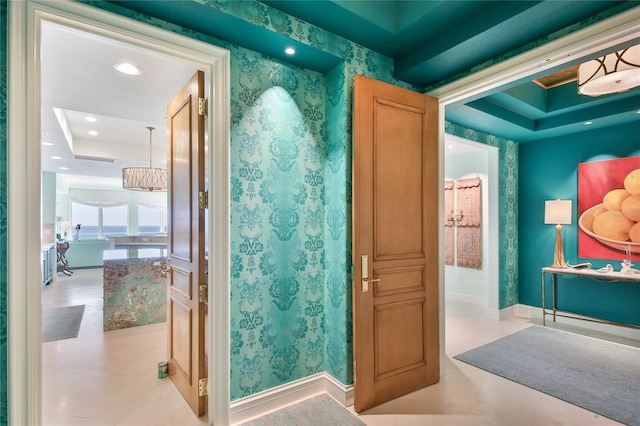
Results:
x,y
602,190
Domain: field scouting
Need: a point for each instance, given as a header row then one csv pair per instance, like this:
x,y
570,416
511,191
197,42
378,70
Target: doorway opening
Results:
x,y
477,286
25,100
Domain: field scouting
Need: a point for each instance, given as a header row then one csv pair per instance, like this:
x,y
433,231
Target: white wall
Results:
x,y
466,160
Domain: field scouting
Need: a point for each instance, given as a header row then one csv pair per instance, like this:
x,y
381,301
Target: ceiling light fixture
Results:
x,y
145,178
93,133
56,157
126,68
612,73
90,119
586,123
290,51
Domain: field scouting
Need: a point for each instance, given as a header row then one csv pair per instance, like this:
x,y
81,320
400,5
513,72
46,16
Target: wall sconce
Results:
x,y
558,212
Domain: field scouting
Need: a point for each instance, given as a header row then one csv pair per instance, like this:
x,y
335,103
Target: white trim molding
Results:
x,y
535,314
621,28
274,399
24,189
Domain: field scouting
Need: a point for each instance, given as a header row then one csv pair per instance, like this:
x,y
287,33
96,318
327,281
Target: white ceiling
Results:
x,y
78,80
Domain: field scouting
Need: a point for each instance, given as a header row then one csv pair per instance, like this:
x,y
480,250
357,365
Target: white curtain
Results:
x,y
99,198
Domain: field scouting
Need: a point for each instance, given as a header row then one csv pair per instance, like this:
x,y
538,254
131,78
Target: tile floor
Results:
x,y
110,378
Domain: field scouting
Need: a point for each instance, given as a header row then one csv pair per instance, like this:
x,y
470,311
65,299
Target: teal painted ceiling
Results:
x,y
433,43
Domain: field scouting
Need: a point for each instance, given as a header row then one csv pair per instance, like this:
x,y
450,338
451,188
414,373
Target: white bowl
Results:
x,y
585,223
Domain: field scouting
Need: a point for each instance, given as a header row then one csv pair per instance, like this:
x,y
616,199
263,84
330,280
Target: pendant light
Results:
x,y
616,72
145,178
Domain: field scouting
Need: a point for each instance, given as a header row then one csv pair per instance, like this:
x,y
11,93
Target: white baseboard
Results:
x,y
481,303
262,403
527,311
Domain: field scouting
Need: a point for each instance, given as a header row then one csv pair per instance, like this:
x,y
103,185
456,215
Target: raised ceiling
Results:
x,y
432,43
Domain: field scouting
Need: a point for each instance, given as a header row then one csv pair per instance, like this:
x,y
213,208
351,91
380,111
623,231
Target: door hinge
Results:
x,y
203,108
203,293
203,387
203,199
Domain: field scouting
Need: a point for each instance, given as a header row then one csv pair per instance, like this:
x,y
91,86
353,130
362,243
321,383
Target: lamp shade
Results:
x,y
557,212
144,179
612,73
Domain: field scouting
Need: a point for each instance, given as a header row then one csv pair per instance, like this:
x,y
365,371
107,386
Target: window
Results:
x,y
96,222
152,220
114,220
87,218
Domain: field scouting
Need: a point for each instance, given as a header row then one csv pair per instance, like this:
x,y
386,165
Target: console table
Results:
x,y
590,273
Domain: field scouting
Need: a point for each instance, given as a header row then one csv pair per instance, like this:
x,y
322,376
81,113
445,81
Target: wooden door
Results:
x,y
395,242
186,223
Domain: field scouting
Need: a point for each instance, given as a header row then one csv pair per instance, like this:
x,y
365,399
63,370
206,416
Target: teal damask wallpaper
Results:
x,y
290,204
277,223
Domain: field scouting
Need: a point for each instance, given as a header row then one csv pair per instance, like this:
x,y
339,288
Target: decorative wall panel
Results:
x,y
469,220
449,223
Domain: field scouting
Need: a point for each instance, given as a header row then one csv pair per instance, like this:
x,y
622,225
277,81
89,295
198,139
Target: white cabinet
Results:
x,y
48,263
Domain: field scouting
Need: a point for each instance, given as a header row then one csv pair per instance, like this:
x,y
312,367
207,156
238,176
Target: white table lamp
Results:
x,y
558,212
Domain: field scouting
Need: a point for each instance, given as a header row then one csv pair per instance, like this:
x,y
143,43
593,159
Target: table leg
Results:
x,y
544,314
553,295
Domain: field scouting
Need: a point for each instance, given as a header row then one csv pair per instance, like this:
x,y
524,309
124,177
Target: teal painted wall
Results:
x,y
549,170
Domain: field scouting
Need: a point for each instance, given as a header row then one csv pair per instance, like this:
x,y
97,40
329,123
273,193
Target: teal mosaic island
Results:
x,y
135,289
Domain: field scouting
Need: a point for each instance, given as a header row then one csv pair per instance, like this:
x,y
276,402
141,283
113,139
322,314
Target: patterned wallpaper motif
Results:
x,y
277,223
508,208
290,201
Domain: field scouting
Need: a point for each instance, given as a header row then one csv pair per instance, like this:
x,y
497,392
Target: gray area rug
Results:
x,y
597,375
61,323
320,410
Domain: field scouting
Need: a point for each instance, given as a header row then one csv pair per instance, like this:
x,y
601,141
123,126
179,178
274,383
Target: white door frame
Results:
x,y
606,34
24,190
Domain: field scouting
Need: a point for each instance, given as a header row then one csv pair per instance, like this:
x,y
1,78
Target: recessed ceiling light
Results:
x,y
93,133
290,51
55,157
90,119
126,68
450,146
586,123
47,144
63,168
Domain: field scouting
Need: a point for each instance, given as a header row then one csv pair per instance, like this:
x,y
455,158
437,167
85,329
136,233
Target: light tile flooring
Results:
x,y
110,378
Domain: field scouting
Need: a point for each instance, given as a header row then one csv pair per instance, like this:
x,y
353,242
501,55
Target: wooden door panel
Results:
x,y
398,280
182,197
185,127
181,283
399,331
397,180
395,227
181,315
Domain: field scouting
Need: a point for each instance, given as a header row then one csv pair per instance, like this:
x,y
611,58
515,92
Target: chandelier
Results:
x,y
612,73
145,178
